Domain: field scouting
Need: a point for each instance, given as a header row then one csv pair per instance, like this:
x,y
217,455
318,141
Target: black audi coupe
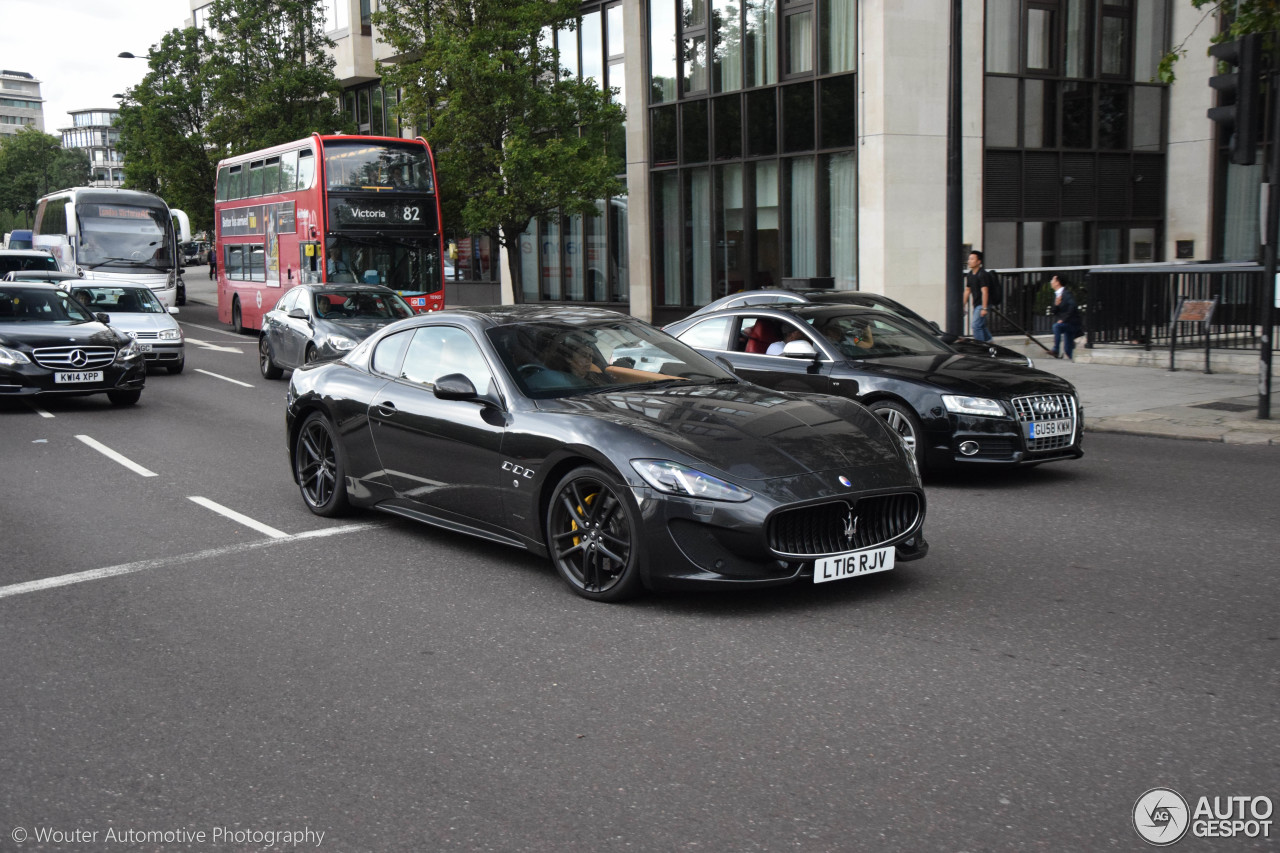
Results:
x,y
606,445
948,406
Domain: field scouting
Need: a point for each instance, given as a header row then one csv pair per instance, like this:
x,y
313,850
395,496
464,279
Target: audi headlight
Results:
x,y
170,335
959,405
675,479
129,351
340,342
10,357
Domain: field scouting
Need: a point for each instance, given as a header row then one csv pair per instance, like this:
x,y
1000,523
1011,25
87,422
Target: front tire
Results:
x,y
309,357
318,467
905,423
593,535
177,366
124,398
237,320
270,370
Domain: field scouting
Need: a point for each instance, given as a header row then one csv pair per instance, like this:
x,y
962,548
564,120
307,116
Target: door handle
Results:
x,y
387,409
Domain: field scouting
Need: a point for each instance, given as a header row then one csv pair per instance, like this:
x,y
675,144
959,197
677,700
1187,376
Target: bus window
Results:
x,y
255,178
288,171
236,189
223,181
306,170
271,176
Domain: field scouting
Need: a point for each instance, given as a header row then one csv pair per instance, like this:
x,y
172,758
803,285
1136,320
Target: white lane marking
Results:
x,y
213,347
39,411
111,454
224,378
144,565
238,517
212,329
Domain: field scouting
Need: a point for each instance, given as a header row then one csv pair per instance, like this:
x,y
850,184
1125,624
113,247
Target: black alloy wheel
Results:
x,y
903,422
270,370
318,467
237,321
593,535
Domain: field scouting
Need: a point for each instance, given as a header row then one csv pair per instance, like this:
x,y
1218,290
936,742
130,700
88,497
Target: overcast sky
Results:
x,y
72,47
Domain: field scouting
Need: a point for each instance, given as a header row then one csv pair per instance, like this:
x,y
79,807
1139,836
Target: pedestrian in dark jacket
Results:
x,y
1066,320
213,264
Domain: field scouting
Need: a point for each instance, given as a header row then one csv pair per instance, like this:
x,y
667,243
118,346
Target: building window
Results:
x,y
1074,129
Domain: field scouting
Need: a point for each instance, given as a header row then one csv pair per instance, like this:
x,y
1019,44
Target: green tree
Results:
x,y
515,137
1246,16
262,75
33,163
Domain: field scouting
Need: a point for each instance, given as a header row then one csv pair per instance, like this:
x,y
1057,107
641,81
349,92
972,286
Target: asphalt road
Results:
x,y
1079,634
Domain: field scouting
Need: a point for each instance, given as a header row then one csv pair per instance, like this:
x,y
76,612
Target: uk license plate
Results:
x,y
144,347
82,376
1045,429
853,563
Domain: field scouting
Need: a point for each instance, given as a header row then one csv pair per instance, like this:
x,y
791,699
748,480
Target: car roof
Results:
x,y
26,253
795,309
38,285
41,275
500,315
332,287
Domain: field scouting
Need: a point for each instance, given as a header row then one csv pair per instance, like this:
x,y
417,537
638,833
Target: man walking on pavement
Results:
x,y
978,285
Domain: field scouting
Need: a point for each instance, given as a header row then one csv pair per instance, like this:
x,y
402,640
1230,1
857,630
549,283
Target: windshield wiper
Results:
x,y
133,262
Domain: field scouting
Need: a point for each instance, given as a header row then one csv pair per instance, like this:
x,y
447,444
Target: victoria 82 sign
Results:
x,y
410,214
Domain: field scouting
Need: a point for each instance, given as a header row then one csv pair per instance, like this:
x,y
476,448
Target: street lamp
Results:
x,y
127,55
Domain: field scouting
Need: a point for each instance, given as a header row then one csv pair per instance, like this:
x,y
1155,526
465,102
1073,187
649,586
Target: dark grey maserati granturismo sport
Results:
x,y
599,441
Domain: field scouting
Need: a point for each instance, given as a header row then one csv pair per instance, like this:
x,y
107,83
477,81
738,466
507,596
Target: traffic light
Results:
x,y
1239,108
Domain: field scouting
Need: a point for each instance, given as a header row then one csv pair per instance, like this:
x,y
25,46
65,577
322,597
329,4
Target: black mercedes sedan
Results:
x,y
51,344
948,406
320,322
596,440
865,299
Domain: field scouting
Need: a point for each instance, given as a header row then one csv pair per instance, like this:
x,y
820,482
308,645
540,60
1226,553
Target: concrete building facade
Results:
x,y
20,102
786,141
93,131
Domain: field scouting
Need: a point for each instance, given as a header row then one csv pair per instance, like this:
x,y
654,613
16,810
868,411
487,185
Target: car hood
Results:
x,y
28,336
138,322
743,430
963,374
357,329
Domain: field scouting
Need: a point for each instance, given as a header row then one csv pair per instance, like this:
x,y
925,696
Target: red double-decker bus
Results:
x,y
327,209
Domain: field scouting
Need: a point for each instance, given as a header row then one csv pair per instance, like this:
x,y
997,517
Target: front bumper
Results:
x,y
692,544
973,440
29,379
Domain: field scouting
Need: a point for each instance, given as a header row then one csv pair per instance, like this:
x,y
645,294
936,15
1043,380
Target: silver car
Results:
x,y
135,310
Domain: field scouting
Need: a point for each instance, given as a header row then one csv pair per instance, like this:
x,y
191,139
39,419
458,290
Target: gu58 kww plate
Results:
x,y
851,563
1044,429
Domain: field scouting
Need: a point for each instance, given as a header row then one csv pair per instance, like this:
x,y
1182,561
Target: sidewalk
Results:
x,y
1126,390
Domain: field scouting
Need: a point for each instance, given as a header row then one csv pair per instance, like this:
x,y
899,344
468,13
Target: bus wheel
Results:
x,y
237,322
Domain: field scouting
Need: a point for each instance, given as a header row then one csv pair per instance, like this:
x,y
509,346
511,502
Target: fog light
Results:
x,y
969,448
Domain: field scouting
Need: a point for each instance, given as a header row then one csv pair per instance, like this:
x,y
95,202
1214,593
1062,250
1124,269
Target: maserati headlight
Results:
x,y
958,405
10,357
676,479
340,342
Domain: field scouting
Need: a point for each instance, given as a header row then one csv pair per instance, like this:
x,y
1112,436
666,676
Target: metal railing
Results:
x,y
1135,304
